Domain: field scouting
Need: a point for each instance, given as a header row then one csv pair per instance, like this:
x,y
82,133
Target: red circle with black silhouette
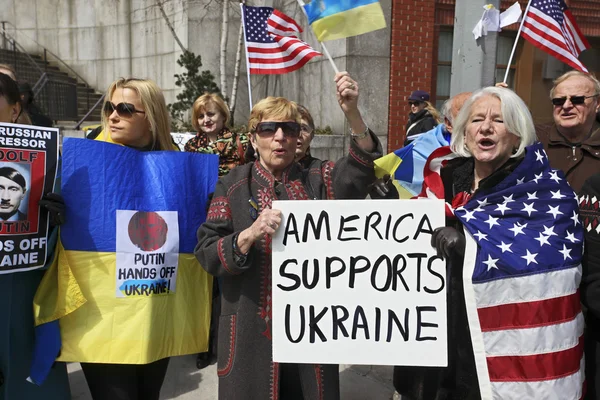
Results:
x,y
148,230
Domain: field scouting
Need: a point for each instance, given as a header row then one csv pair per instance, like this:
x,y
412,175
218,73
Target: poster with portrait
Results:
x,y
28,169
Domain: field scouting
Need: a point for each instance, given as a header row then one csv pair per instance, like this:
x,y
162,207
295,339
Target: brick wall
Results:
x,y
412,60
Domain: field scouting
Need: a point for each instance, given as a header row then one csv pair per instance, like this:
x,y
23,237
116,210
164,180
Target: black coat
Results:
x,y
420,122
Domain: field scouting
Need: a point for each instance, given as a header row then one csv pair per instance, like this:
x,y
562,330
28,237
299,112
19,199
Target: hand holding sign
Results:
x,y
266,224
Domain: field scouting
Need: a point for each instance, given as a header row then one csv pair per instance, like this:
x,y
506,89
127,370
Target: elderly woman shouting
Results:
x,y
513,244
235,243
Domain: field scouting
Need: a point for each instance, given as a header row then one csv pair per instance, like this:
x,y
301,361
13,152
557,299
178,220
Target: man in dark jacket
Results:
x,y
573,141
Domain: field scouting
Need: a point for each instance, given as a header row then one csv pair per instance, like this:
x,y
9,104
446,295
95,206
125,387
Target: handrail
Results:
x,y
45,49
21,48
89,112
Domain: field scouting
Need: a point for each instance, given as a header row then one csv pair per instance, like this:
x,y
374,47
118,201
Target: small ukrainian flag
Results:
x,y
338,19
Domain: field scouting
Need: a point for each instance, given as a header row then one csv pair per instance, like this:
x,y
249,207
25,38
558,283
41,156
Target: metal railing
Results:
x,y
48,83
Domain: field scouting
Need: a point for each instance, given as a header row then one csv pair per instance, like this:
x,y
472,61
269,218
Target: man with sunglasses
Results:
x,y
573,141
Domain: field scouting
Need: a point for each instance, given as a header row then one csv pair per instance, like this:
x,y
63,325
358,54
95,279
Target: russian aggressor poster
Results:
x,y
28,168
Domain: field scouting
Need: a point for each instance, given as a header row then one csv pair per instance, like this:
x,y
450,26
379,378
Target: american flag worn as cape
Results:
x,y
522,271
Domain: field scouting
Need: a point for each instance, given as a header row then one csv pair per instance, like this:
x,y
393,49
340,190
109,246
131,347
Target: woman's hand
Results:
x,y
347,92
266,224
55,205
447,241
383,188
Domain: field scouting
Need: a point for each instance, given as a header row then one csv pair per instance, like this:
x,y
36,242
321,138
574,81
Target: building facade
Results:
x,y
421,58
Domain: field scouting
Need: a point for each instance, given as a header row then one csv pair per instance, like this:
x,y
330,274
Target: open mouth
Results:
x,y
486,144
280,152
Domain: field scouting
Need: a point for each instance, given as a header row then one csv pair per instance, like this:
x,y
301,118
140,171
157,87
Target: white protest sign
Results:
x,y
147,253
357,282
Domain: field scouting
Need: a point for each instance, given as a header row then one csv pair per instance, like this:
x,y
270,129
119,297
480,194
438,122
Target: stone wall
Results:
x,y
106,39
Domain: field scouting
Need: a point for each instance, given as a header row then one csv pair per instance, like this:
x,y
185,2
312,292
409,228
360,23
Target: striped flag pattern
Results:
x,y
521,275
271,43
550,26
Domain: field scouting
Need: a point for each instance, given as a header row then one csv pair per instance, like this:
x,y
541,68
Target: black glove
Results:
x,y
448,241
54,203
383,189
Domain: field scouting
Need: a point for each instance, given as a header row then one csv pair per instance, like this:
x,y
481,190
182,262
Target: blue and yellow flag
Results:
x,y
126,287
406,165
338,19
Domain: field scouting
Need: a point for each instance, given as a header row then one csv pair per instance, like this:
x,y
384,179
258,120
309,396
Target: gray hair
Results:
x,y
446,109
515,114
572,74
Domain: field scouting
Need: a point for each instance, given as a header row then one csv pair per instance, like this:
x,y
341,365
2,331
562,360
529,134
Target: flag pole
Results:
x,y
512,53
247,59
335,68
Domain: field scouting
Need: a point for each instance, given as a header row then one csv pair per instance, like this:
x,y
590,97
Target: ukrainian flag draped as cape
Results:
x,y
124,205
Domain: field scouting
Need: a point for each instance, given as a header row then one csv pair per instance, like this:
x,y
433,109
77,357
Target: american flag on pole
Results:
x,y
550,26
521,274
271,43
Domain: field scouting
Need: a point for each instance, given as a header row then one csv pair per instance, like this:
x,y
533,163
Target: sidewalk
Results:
x,y
185,382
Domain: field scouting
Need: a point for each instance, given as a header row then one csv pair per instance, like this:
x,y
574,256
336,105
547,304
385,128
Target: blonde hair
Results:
x,y
434,113
515,114
273,108
204,101
10,69
572,74
155,108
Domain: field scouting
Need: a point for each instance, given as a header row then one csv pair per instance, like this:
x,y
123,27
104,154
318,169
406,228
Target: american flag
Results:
x,y
271,43
550,26
522,272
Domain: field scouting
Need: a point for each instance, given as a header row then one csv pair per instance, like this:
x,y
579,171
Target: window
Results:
x,y
444,65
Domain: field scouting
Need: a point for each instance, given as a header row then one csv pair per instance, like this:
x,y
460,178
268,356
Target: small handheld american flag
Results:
x,y
271,43
550,26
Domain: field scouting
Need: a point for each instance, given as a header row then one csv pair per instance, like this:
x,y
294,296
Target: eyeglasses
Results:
x,y
306,129
125,110
289,129
415,103
575,100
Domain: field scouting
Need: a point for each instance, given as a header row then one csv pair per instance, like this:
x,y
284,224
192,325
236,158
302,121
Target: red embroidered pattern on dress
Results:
x,y
296,191
327,173
265,200
221,253
589,213
219,209
274,380
319,376
229,365
358,158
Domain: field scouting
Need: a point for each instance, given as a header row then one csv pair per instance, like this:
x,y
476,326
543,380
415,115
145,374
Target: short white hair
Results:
x,y
446,109
515,114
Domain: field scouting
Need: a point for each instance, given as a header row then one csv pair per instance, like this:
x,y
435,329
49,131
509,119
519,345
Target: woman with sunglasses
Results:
x,y
235,243
423,116
134,115
16,299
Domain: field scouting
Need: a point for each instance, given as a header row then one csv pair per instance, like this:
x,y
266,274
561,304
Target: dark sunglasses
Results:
x,y
289,129
416,103
123,109
575,100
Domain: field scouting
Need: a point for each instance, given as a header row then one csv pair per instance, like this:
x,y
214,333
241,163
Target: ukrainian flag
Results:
x,y
338,19
406,165
126,287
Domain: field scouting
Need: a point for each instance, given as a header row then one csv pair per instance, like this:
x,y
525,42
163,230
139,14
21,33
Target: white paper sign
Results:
x,y
357,282
147,253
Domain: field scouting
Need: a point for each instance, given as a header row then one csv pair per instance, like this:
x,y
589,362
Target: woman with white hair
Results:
x,y
513,246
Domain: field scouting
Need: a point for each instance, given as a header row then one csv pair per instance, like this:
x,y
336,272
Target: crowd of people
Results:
x,y
483,144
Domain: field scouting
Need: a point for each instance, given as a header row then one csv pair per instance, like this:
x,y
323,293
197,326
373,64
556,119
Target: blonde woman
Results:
x,y
423,116
134,115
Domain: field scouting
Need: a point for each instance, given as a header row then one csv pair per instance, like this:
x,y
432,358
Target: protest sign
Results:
x,y
357,282
28,163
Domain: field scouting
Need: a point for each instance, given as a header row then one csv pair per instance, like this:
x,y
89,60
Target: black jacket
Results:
x,y
421,122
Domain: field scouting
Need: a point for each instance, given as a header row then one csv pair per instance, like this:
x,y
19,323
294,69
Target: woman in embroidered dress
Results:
x,y
511,266
210,118
235,243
